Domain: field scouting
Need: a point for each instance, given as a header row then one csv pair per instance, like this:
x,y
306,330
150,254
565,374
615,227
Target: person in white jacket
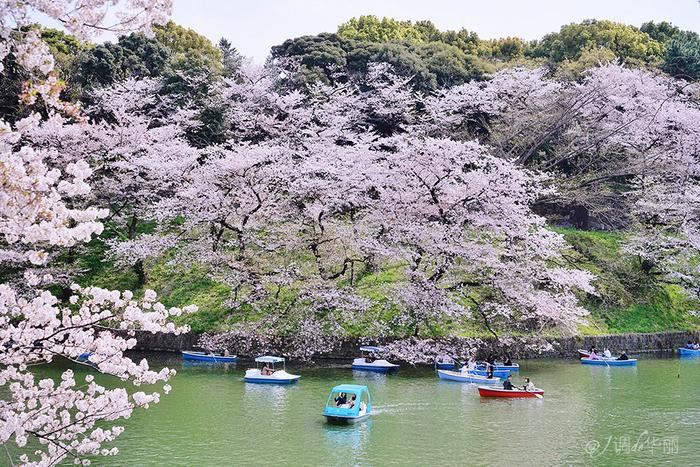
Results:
x,y
470,365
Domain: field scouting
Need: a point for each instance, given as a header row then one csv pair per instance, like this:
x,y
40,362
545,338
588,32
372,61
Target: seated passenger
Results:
x,y
508,361
470,365
489,371
528,386
351,404
690,345
606,353
266,370
508,383
593,355
623,356
341,399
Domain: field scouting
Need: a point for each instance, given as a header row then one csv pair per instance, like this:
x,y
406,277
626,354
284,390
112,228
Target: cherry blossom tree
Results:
x,y
137,147
79,17
309,194
39,209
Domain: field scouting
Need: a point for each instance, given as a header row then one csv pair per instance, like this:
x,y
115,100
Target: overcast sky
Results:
x,y
253,26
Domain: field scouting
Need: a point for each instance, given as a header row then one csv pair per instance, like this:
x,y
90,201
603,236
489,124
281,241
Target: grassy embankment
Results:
x,y
629,300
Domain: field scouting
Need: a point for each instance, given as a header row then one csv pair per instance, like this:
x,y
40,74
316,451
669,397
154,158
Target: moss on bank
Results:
x,y
629,301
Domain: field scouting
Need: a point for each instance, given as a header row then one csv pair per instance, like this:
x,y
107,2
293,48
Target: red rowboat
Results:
x,y
485,391
583,353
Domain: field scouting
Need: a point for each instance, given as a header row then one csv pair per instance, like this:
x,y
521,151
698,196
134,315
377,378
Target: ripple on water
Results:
x,y
213,418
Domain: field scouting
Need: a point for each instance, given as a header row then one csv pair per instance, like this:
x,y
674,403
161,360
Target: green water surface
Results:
x,y
589,416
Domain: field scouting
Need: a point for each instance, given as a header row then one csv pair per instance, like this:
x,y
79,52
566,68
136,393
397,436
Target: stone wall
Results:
x,y
565,347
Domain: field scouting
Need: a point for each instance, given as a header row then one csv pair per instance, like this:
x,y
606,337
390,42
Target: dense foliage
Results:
x,y
435,58
390,179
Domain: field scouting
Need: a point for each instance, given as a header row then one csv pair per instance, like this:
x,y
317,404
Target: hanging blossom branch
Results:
x,y
82,18
35,328
38,200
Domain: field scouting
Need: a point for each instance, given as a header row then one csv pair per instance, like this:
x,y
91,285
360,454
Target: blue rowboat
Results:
x,y
85,356
444,362
466,377
444,366
500,367
496,373
207,357
609,362
268,374
351,411
689,352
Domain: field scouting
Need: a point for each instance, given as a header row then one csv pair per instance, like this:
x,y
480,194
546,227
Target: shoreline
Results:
x,y
424,351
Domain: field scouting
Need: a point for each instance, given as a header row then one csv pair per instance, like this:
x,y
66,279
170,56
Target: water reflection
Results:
x,y
214,418
208,366
369,377
348,441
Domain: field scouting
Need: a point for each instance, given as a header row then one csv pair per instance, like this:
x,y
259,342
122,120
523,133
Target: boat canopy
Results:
x,y
371,348
363,402
356,389
269,359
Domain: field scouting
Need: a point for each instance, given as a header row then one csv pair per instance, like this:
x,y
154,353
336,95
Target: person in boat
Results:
x,y
266,370
623,356
508,361
690,345
593,355
508,383
491,360
528,386
606,353
341,399
351,404
370,358
469,365
226,354
489,370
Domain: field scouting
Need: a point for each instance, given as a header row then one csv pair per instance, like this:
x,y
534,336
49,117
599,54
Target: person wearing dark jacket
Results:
x,y
623,356
508,383
341,399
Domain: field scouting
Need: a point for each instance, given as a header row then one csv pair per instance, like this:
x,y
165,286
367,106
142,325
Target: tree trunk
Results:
x,y
580,218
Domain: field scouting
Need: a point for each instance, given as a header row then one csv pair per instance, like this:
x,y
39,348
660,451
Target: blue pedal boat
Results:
x,y
466,377
496,373
348,403
689,352
207,357
609,362
369,362
268,374
501,367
